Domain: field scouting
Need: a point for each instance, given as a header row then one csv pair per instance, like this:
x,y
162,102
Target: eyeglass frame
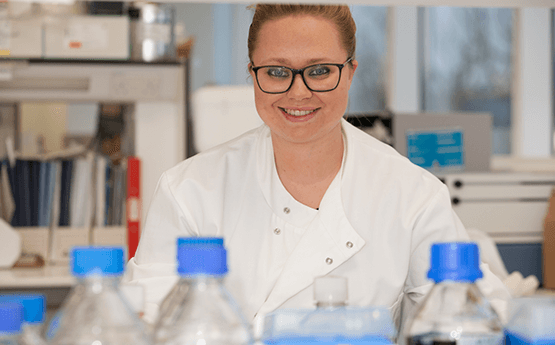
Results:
x,y
301,72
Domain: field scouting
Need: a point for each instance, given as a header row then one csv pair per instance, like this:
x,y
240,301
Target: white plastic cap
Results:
x,y
330,291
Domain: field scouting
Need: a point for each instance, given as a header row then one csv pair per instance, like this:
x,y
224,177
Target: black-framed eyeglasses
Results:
x,y
317,78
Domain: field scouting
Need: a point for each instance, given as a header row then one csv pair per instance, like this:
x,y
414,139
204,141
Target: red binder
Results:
x,y
133,204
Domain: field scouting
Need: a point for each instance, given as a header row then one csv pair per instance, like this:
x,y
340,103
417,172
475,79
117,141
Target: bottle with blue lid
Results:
x,y
96,311
11,320
34,312
454,312
531,321
200,310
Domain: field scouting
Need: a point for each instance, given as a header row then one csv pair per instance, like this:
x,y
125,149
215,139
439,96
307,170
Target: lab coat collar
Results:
x,y
278,198
329,239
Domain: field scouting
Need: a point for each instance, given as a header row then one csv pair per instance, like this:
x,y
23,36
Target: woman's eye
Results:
x,y
319,71
278,72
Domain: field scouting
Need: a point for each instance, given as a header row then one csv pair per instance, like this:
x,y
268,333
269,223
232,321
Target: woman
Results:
x,y
306,194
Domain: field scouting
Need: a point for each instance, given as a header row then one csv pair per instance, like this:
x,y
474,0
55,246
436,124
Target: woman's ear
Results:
x,y
354,64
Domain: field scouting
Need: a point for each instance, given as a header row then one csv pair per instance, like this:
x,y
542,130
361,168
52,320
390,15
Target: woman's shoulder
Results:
x,y
233,154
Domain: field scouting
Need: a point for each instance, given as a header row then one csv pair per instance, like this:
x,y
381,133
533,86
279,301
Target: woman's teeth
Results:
x,y
298,112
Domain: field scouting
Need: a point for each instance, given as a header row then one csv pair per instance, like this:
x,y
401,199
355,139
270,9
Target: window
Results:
x,y
467,65
368,87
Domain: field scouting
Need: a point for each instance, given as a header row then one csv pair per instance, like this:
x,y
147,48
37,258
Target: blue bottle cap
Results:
x,y
201,255
34,306
104,261
11,317
457,261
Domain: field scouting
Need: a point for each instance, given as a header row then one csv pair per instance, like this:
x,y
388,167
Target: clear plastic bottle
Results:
x,y
531,321
455,312
33,316
11,320
332,322
172,303
200,310
96,312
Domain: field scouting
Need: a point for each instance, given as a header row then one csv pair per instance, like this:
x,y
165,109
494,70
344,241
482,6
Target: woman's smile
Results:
x,y
298,115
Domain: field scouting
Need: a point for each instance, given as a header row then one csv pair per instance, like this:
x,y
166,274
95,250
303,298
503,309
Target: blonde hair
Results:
x,y
340,15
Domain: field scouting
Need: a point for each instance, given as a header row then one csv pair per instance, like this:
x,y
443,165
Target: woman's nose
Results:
x,y
299,90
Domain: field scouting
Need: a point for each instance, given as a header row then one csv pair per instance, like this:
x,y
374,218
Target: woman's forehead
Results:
x,y
299,38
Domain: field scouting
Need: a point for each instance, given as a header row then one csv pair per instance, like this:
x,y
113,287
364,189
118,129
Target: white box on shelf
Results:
x,y
64,239
25,38
34,240
88,37
110,236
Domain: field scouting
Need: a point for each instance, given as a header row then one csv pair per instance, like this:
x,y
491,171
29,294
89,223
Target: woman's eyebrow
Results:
x,y
287,62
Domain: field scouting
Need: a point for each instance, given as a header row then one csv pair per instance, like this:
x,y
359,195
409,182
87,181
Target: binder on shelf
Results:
x,y
133,205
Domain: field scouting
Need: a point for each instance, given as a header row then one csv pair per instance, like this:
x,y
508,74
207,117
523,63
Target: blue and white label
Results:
x,y
436,150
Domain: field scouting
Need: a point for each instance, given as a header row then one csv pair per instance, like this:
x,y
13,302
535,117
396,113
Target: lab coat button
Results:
x,y
277,231
329,261
286,210
349,244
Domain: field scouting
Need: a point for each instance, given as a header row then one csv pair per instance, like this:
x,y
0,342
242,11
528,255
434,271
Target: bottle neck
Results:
x,y
203,279
456,282
98,283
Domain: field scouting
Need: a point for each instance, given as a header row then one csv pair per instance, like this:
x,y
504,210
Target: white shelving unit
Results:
x,y
157,91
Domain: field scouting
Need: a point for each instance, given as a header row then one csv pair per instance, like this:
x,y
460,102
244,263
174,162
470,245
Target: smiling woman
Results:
x,y
306,193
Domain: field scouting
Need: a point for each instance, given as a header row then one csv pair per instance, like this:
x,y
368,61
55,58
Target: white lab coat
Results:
x,y
375,226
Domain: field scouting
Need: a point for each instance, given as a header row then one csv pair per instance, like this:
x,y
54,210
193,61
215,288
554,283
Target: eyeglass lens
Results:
x,y
317,78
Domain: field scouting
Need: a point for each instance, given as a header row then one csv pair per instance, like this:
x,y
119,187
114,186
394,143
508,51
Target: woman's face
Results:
x,y
300,115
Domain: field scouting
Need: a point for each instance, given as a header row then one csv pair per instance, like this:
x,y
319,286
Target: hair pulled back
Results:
x,y
340,15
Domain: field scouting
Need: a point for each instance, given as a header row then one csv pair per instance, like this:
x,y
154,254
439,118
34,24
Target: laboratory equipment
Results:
x,y
96,311
531,321
203,311
455,311
332,322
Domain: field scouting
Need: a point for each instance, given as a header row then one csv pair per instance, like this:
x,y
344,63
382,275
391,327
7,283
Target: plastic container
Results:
x,y
172,303
96,312
455,311
33,316
11,320
332,322
152,32
531,321
200,310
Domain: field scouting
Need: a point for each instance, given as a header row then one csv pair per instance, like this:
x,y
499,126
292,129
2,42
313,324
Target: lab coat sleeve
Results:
x,y
154,263
438,222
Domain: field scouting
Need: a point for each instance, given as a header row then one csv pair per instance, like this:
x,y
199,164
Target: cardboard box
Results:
x,y
88,37
64,239
110,236
34,240
548,249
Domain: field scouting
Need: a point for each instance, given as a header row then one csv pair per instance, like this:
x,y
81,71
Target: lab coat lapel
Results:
x,y
328,242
